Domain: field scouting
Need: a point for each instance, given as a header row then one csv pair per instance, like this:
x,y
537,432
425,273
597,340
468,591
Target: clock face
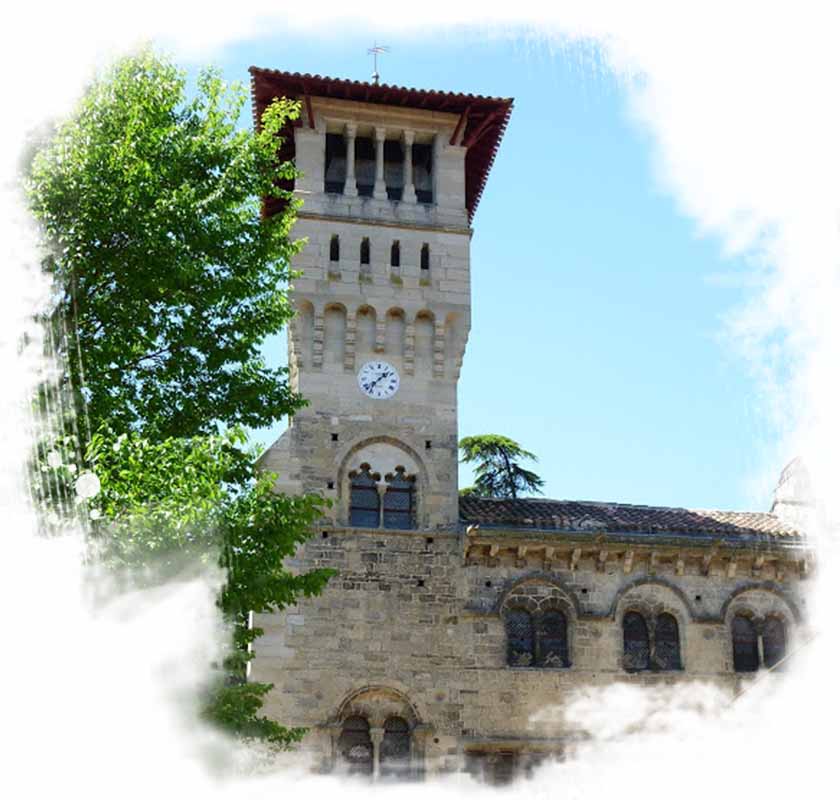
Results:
x,y
379,380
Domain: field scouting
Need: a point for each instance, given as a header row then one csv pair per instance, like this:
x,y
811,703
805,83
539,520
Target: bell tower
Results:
x,y
390,181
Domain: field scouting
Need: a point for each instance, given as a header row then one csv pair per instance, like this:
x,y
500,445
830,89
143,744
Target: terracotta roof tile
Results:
x,y
574,515
486,117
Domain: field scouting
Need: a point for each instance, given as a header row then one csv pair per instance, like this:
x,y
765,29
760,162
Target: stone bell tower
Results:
x,y
391,178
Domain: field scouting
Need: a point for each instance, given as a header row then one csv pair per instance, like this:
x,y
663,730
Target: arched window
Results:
x,y
395,750
636,642
355,746
364,251
520,637
552,644
398,508
744,644
364,498
774,640
395,254
424,257
666,643
334,248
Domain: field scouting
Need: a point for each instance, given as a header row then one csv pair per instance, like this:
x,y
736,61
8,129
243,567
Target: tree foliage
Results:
x,y
165,272
166,282
495,460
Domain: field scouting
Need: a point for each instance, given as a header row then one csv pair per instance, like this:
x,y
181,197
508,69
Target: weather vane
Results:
x,y
375,51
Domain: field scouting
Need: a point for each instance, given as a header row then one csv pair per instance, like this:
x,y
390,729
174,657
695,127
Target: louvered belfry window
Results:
x,y
398,507
356,747
520,637
395,750
636,642
552,643
774,640
666,639
744,644
364,499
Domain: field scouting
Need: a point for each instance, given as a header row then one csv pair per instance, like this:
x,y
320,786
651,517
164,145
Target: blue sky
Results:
x,y
598,337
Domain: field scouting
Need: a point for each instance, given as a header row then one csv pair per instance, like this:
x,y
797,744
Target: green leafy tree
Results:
x,y
167,279
495,461
166,282
180,501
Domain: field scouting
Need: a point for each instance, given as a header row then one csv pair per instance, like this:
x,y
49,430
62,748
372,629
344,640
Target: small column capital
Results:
x,y
379,134
408,137
350,130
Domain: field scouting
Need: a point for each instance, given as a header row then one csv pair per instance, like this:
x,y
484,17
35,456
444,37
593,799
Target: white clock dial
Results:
x,y
379,380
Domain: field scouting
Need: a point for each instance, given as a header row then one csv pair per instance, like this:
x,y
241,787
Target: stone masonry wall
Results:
x,y
405,613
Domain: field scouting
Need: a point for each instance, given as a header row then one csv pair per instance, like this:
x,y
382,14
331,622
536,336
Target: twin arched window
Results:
x,y
393,509
747,650
647,647
355,746
537,640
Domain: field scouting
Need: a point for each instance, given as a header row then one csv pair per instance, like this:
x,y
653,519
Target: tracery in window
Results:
x,y
519,627
552,642
395,750
666,647
744,644
398,504
774,641
355,746
636,642
364,498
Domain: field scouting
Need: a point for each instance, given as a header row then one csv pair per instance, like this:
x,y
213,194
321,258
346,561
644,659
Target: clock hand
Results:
x,y
383,375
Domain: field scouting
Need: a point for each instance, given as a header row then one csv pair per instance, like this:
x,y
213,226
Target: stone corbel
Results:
x,y
758,566
602,560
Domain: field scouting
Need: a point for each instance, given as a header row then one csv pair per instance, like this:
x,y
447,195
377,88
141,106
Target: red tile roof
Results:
x,y
486,117
571,515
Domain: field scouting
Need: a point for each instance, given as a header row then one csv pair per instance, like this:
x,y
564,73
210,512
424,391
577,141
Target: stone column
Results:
x,y
381,487
376,736
437,149
409,195
350,179
379,190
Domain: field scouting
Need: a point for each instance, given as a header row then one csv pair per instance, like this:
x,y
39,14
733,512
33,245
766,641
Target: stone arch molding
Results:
x,y
759,601
384,454
378,703
539,592
652,596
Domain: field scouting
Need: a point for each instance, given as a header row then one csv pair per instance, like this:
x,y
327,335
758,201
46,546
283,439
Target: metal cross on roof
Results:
x,y
375,51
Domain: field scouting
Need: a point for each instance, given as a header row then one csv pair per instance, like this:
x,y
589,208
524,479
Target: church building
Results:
x,y
457,629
